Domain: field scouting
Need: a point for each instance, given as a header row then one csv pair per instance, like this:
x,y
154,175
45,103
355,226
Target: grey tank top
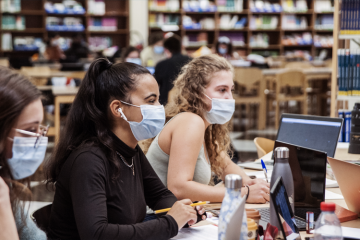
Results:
x,y
159,160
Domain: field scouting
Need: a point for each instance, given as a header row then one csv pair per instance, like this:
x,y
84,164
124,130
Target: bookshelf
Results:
x,y
112,14
246,32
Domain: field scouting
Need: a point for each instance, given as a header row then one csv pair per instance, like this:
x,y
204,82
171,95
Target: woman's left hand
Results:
x,y
250,182
200,211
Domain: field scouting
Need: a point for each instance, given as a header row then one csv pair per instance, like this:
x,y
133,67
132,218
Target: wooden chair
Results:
x,y
298,65
250,88
41,217
263,146
38,75
285,81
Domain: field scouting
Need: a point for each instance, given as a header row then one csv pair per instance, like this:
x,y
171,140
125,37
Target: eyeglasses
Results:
x,y
39,136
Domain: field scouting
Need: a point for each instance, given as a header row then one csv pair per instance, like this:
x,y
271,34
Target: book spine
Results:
x,y
341,71
357,92
350,76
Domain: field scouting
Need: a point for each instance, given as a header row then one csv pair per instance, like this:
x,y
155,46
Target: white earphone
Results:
x,y
122,114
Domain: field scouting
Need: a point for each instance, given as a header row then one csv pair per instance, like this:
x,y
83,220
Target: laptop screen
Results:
x,y
283,209
320,133
308,168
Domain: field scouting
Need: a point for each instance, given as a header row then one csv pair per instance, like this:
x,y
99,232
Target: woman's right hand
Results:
x,y
259,192
183,213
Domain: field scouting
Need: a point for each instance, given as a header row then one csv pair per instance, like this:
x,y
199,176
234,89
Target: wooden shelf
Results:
x,y
308,12
165,12
198,30
27,30
275,35
265,30
269,47
245,29
36,15
120,31
26,12
298,46
298,30
110,14
323,47
235,13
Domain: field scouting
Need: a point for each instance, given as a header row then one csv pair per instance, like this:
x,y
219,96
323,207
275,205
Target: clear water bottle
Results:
x,y
281,169
328,227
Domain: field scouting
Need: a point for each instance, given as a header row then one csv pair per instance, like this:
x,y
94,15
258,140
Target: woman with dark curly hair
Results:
x,y
195,141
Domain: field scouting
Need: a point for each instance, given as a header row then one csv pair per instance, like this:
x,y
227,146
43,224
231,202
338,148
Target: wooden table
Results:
x,y
61,95
340,154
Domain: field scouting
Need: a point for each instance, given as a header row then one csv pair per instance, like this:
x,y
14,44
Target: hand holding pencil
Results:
x,y
183,212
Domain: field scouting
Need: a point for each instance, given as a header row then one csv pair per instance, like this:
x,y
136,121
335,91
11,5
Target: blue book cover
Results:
x,y
350,76
346,66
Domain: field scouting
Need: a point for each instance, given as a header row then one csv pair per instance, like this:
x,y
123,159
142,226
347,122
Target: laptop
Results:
x,y
319,133
287,221
348,177
308,168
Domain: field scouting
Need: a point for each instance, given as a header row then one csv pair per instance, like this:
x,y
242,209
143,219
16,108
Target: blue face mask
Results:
x,y
26,158
222,50
152,123
159,49
221,111
134,60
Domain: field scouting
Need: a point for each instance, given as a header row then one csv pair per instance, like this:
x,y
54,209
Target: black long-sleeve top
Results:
x,y
88,204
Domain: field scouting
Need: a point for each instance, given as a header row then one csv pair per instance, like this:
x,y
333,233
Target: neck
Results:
x,y
125,135
207,124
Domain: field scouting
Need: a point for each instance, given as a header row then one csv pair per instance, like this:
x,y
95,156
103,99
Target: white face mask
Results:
x,y
27,155
152,123
221,111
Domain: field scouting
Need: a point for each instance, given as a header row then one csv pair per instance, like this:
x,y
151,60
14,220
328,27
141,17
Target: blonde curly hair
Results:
x,y
189,88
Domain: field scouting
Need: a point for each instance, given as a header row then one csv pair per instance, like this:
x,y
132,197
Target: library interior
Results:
x,y
260,100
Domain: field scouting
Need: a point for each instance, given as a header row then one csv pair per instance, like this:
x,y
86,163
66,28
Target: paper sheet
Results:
x,y
332,196
331,183
351,232
214,220
208,232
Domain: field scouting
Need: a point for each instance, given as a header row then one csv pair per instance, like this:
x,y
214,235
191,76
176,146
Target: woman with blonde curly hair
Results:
x,y
195,141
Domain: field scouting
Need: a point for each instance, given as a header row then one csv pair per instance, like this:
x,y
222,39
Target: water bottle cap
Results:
x,y
282,152
327,206
233,181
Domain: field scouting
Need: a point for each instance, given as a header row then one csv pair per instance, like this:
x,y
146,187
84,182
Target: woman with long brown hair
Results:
x,y
22,144
103,180
195,141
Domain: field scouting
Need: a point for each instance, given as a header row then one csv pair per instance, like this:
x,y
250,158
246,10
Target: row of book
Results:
x,y
103,24
9,22
99,43
66,7
297,39
64,24
349,20
192,23
260,40
164,5
294,22
263,22
294,5
349,72
11,6
160,19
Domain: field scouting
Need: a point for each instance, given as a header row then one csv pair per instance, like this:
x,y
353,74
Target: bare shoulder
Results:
x,y
188,119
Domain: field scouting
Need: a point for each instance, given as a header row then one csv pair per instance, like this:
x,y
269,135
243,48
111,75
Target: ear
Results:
x,y
116,109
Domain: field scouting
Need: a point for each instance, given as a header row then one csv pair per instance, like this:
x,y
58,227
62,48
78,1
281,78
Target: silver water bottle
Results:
x,y
282,169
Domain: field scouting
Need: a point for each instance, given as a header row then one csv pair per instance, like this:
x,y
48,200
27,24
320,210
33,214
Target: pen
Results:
x,y
264,169
168,209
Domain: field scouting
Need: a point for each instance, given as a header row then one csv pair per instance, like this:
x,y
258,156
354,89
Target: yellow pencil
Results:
x,y
168,209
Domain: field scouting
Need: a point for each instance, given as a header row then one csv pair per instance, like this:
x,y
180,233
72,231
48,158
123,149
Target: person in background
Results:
x,y
195,141
154,52
78,49
53,51
7,221
167,70
103,180
131,54
224,48
22,145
